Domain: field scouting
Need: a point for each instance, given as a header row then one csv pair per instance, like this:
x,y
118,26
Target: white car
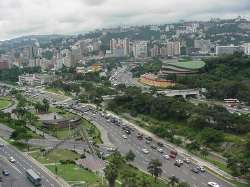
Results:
x,y
187,160
213,184
166,157
160,150
145,151
179,161
201,168
12,160
124,136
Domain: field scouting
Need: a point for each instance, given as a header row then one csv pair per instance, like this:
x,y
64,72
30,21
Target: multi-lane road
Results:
x,y
17,177
184,172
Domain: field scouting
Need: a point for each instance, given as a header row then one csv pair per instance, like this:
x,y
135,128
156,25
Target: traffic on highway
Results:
x,y
18,170
125,137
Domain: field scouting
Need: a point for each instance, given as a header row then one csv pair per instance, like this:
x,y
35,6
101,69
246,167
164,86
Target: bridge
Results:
x,y
184,93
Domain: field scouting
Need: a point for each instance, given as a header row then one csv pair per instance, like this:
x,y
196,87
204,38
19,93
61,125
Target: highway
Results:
x,y
16,178
141,161
17,169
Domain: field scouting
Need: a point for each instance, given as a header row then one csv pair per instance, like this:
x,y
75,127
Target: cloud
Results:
x,y
24,17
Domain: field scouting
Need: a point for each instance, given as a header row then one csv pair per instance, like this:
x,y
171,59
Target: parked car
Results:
x,y
195,170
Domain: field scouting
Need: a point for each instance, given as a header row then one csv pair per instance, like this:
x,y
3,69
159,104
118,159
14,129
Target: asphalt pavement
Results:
x,y
142,160
22,164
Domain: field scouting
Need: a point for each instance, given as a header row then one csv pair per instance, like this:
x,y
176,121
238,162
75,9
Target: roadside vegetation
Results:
x,y
203,127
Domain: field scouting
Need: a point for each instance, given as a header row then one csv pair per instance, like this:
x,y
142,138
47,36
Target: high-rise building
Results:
x,y
202,45
120,47
140,49
231,49
170,49
154,51
247,48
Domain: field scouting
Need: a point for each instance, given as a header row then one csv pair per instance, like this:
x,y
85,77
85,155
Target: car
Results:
x,y
124,136
160,150
172,156
166,157
187,160
128,132
201,168
153,147
145,151
213,184
6,172
12,160
160,144
177,164
173,152
195,170
179,161
139,136
149,138
1,145
147,142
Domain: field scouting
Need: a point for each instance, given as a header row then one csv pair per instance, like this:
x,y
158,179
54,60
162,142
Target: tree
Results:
x,y
193,146
144,182
46,105
204,152
154,168
129,178
111,174
173,180
112,169
130,156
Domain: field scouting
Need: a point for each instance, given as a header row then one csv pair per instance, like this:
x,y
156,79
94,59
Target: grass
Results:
x,y
71,172
55,156
61,112
93,132
4,102
193,65
55,90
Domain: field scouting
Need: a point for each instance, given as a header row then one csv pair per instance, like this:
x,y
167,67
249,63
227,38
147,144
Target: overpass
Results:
x,y
184,93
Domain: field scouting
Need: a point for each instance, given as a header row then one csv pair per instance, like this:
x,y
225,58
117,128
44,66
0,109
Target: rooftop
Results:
x,y
192,65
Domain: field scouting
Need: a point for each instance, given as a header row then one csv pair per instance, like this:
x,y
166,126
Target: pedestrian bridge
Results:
x,y
184,93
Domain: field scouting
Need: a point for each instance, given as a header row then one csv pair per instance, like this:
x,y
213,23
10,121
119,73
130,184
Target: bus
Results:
x,y
33,177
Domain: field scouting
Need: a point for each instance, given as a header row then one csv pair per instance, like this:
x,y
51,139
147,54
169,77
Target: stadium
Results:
x,y
182,68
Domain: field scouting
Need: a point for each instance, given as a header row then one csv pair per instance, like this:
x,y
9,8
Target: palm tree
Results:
x,y
173,180
129,178
204,152
154,168
111,174
112,170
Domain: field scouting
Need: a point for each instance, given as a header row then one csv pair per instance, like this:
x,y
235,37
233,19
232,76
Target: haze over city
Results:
x,y
26,17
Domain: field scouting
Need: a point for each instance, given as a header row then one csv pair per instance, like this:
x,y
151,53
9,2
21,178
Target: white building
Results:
x,y
120,47
247,48
140,49
34,79
228,50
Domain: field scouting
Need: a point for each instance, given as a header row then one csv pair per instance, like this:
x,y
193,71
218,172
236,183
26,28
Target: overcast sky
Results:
x,y
25,17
